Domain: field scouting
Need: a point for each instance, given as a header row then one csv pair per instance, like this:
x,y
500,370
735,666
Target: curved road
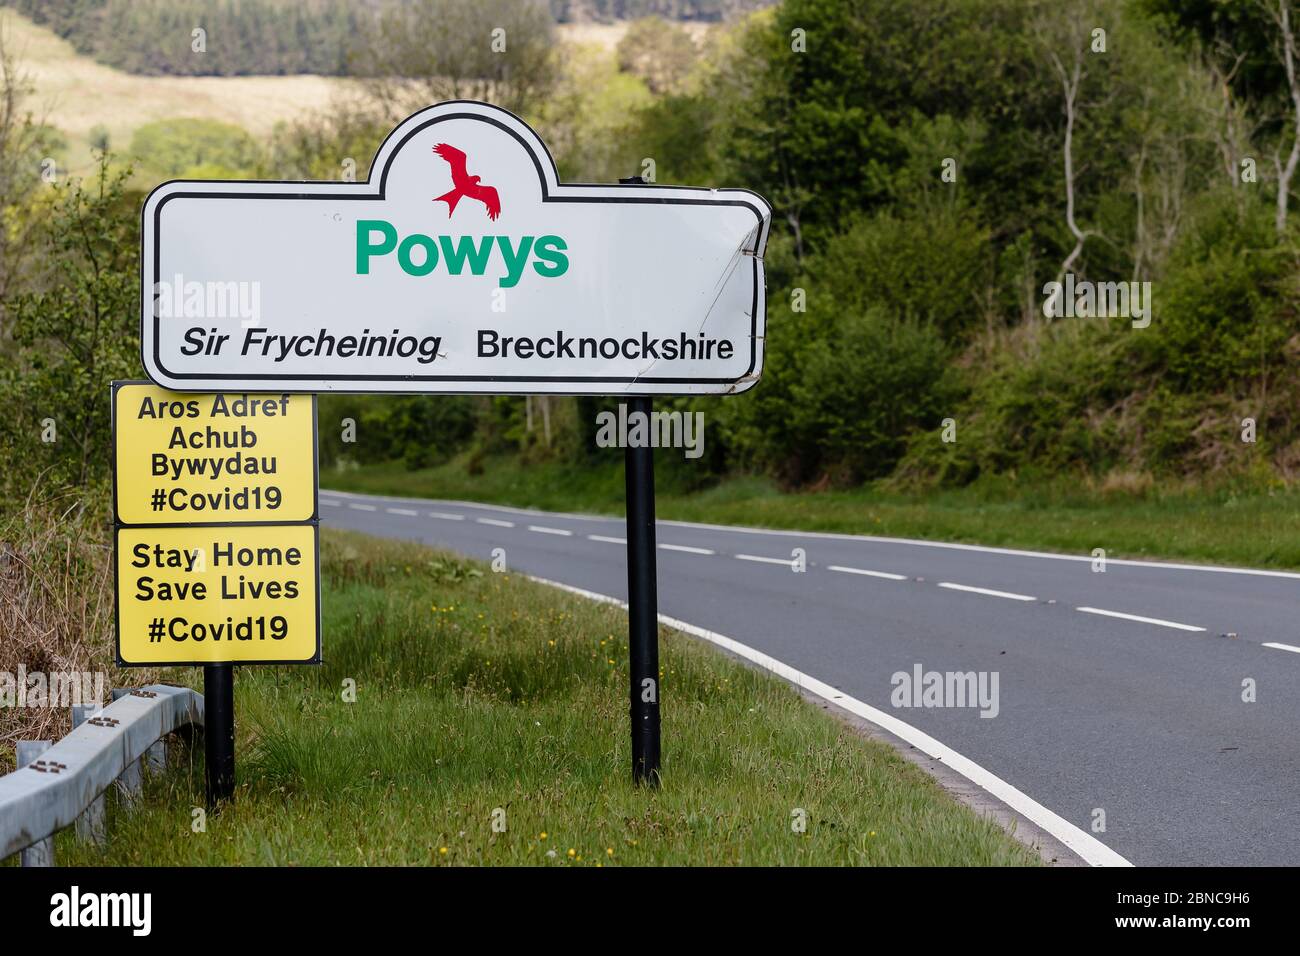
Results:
x,y
1118,691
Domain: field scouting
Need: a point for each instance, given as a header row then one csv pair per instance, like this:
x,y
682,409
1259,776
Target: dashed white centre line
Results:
x,y
543,530
363,507
495,522
606,539
1283,647
445,515
988,591
331,502
873,574
687,549
1139,618
401,511
788,562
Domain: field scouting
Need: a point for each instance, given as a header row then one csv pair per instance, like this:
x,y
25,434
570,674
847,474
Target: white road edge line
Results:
x,y
497,522
1283,647
445,515
544,530
1139,618
401,511
1088,847
606,539
873,574
788,562
991,593
687,549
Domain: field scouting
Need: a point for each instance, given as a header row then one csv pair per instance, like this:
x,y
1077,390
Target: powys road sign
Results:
x,y
462,265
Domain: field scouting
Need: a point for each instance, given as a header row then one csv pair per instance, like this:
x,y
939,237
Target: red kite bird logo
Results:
x,y
466,185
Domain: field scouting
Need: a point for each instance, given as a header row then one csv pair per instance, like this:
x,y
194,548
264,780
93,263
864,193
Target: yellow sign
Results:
x,y
195,595
186,458
216,539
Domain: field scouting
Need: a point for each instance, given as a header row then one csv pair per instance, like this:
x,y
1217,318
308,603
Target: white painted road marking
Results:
x,y
445,515
496,522
363,507
788,562
329,501
1002,594
1283,647
873,574
688,550
1088,847
1138,617
606,539
401,511
543,530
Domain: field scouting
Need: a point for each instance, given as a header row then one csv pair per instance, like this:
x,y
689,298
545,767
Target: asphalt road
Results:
x,y
1141,719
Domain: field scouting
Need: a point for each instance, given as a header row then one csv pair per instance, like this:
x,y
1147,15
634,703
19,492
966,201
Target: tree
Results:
x,y
1281,12
172,147
661,53
425,51
74,331
21,168
1251,46
1064,37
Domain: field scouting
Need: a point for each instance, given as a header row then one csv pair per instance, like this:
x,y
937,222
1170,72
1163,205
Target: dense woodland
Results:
x,y
244,37
933,166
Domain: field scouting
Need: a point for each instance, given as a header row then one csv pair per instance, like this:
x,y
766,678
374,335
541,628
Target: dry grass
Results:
x,y
607,35
1127,482
56,606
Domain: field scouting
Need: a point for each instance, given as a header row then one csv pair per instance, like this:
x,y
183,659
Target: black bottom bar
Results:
x,y
219,731
643,606
1091,903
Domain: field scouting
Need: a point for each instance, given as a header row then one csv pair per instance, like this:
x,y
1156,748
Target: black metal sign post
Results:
x,y
219,731
643,605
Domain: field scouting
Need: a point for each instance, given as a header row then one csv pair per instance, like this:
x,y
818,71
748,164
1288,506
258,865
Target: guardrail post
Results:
x,y
131,783
42,853
155,758
90,825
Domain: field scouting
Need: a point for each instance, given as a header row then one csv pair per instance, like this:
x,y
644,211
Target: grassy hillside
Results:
x,y
76,95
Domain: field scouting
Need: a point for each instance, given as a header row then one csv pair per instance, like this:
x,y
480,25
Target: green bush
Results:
x,y
1221,314
75,328
184,148
913,267
840,407
418,430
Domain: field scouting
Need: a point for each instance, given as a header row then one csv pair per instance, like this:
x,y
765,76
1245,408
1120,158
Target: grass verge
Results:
x,y
1254,528
478,693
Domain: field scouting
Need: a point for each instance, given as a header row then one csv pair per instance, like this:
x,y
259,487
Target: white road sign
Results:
x,y
462,265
